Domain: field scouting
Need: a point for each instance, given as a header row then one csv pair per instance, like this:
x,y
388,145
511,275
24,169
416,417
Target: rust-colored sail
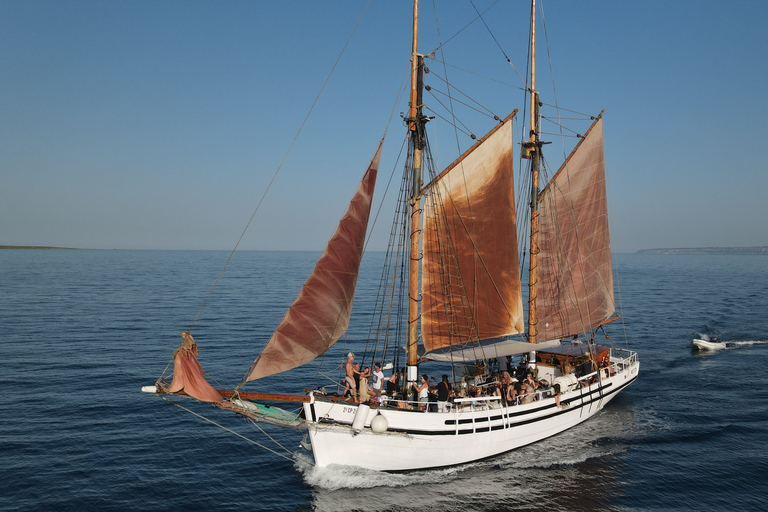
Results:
x,y
320,314
575,284
470,274
188,375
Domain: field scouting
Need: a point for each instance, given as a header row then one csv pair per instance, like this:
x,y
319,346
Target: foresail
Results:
x,y
575,282
470,274
320,314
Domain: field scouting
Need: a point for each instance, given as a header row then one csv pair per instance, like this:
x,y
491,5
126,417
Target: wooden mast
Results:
x,y
535,147
416,131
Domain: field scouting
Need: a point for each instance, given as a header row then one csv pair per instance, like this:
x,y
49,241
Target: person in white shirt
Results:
x,y
377,379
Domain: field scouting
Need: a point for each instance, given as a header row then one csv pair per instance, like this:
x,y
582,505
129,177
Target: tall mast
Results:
x,y
416,132
535,147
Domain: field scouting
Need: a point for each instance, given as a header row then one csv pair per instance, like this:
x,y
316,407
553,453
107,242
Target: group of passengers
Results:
x,y
356,382
509,389
513,385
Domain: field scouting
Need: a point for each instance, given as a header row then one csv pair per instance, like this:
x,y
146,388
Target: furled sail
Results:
x,y
188,375
320,314
575,282
470,274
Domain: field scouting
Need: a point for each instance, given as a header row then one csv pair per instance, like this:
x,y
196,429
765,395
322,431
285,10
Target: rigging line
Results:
x,y
274,176
381,203
451,86
488,113
613,258
460,31
567,118
502,82
552,74
496,41
559,125
391,115
587,117
450,96
255,424
467,133
291,459
455,120
576,136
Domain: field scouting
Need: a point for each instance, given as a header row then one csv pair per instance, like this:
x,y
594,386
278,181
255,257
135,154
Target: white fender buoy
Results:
x,y
149,389
360,416
379,424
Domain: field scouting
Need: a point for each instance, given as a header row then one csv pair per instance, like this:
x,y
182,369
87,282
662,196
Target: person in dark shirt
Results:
x,y
444,392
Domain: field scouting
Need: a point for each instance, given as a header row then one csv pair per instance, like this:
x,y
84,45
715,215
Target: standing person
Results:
x,y
423,391
393,384
503,364
377,380
363,384
444,392
349,380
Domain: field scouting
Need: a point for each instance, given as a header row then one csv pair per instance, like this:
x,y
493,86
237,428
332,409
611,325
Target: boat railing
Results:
x,y
618,364
621,359
474,401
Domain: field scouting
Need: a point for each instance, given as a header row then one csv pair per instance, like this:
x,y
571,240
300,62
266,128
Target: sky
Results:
x,y
159,124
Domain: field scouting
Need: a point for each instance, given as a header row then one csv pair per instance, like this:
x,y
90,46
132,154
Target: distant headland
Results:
x,y
709,250
44,248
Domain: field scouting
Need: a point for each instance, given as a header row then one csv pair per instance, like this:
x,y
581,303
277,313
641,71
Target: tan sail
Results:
x,y
575,282
320,314
470,274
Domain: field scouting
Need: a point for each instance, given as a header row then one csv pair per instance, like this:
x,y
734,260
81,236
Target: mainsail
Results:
x,y
575,287
470,282
320,314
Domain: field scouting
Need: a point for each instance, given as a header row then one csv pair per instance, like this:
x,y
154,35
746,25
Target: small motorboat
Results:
x,y
711,344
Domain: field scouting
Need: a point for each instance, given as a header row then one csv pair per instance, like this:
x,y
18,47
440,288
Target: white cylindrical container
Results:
x,y
360,416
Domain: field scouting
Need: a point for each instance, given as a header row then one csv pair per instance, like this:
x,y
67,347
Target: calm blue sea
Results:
x,y
82,331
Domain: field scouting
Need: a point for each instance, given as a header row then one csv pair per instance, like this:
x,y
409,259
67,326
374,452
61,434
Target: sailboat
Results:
x,y
456,273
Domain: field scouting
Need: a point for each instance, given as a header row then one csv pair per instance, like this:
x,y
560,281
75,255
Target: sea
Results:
x,y
82,331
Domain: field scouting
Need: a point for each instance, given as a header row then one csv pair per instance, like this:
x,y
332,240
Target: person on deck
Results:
x,y
423,391
512,392
505,383
444,393
478,372
532,384
526,393
364,395
503,364
393,384
377,380
351,385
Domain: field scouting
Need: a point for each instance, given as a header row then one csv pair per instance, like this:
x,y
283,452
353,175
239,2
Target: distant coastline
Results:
x,y
43,247
709,250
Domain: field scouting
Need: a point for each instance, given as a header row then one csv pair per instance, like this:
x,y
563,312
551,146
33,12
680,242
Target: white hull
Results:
x,y
418,440
708,345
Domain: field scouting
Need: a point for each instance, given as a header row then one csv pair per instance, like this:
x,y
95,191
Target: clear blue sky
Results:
x,y
158,125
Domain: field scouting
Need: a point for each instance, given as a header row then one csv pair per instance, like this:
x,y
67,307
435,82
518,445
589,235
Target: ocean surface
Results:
x,y
82,331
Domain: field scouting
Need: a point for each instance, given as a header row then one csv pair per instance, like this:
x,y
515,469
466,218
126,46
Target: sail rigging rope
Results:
x,y
432,91
372,224
292,458
274,176
496,40
460,30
